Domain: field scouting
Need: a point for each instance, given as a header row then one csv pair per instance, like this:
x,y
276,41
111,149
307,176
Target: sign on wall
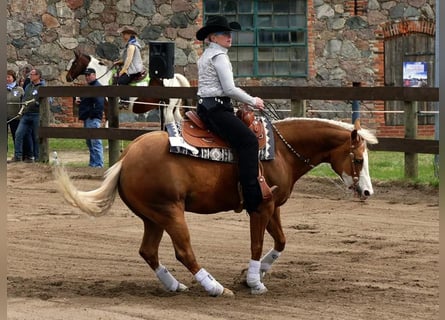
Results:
x,y
415,74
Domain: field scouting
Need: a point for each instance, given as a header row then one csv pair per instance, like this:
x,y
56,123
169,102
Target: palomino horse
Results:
x,y
105,74
159,186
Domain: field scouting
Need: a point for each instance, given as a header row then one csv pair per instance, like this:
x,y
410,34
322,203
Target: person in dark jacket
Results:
x,y
14,98
28,155
91,112
29,123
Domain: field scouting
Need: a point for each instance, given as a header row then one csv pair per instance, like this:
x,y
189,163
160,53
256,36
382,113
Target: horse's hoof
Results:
x,y
258,290
227,293
181,287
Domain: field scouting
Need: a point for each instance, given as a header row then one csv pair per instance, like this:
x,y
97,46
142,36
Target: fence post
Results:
x,y
113,122
298,108
44,122
411,165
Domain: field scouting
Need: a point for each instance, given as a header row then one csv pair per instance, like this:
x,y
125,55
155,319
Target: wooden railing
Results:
x,y
409,144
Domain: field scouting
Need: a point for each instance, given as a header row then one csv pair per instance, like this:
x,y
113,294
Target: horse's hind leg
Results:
x,y
149,252
179,234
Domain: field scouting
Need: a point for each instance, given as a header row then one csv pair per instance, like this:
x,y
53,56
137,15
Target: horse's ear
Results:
x,y
354,136
357,124
77,52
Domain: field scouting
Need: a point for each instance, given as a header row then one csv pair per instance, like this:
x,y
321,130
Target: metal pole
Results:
x,y
113,122
355,105
436,80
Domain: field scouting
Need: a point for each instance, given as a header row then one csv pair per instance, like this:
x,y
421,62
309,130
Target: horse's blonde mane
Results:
x,y
365,133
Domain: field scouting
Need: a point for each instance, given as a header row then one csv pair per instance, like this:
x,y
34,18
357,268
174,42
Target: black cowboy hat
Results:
x,y
127,29
216,24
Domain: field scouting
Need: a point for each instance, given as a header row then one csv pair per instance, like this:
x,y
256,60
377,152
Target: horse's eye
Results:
x,y
358,161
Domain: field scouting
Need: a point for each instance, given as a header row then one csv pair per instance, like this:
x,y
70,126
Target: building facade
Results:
x,y
286,42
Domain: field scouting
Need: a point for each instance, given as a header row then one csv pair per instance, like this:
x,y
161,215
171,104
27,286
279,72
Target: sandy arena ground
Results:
x,y
345,259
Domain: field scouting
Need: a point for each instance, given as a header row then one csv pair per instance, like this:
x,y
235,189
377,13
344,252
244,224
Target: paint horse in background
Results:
x,y
160,186
105,74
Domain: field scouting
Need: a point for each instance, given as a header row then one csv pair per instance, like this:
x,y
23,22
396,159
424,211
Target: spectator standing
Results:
x,y
27,140
91,112
30,118
14,97
25,78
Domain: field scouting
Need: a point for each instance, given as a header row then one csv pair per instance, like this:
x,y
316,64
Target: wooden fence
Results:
x,y
409,144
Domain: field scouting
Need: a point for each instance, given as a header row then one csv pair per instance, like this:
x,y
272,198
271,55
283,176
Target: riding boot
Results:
x,y
256,193
252,196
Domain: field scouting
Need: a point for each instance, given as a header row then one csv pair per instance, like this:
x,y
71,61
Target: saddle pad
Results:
x,y
180,146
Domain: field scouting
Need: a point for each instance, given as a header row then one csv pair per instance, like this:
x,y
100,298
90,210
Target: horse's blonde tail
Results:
x,y
95,202
182,80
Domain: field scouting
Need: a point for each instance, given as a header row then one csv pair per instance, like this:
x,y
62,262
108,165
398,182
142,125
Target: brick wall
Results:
x,y
396,29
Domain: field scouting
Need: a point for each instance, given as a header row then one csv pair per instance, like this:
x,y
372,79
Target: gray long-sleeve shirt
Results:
x,y
215,76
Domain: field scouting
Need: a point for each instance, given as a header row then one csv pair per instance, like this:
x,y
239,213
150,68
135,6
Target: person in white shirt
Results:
x,y
216,88
131,62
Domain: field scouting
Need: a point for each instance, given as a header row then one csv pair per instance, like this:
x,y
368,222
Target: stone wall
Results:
x,y
44,33
345,38
346,45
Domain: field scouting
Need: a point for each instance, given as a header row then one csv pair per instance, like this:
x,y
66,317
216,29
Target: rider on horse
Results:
x,y
131,61
216,88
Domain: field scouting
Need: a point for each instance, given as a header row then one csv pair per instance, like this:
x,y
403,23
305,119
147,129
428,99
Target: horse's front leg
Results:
x,y
275,229
258,223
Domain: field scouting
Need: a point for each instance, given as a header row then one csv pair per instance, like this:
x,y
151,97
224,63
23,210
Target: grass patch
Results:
x,y
390,166
383,166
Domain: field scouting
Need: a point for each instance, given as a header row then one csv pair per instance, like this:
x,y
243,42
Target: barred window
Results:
x,y
273,37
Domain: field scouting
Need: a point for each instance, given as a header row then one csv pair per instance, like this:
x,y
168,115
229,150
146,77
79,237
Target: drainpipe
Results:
x,y
355,105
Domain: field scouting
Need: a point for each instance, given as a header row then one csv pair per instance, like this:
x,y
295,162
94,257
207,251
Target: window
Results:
x,y
273,37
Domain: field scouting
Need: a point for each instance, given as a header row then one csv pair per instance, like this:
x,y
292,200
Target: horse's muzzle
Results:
x,y
363,194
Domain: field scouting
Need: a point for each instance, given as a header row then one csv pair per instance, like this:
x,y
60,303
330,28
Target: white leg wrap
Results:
x,y
253,278
213,287
268,259
169,282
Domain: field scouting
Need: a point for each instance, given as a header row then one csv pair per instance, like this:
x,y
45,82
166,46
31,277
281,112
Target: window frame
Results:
x,y
299,49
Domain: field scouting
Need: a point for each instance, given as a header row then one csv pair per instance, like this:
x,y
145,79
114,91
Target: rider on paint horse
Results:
x,y
132,67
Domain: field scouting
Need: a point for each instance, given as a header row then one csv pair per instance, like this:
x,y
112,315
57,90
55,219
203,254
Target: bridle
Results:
x,y
84,56
270,112
354,161
354,164
305,160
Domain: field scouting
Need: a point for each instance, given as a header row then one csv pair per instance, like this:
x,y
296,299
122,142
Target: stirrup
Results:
x,y
266,191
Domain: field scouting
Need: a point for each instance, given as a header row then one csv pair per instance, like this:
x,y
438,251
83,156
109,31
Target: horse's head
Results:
x,y
77,65
352,164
